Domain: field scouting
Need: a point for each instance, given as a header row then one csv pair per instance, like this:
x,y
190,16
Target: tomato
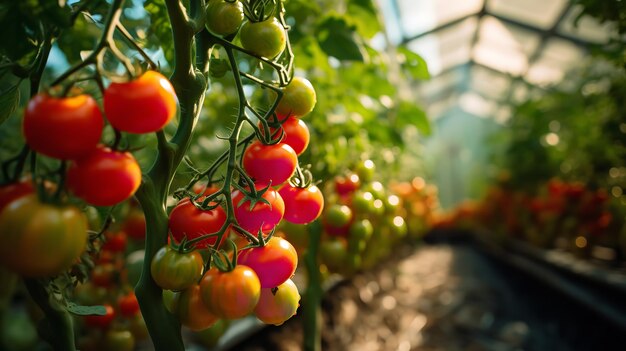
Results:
x,y
204,189
13,191
261,216
338,215
142,105
266,38
398,227
210,336
376,188
224,17
295,134
273,263
186,220
88,294
366,170
115,242
333,252
104,275
361,230
64,128
134,224
137,326
119,340
347,185
41,240
392,204
296,234
362,201
302,205
188,306
276,308
128,305
231,294
298,98
173,270
104,177
103,321
270,163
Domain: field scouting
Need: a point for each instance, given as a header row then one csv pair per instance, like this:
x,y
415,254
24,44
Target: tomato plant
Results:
x,y
188,221
224,17
265,38
64,128
302,205
273,263
104,177
142,105
270,164
232,294
278,305
39,239
174,270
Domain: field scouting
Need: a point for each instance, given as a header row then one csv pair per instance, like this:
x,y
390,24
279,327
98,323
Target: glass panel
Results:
x,y
442,84
504,47
539,13
420,16
478,105
441,107
588,28
490,83
447,47
556,59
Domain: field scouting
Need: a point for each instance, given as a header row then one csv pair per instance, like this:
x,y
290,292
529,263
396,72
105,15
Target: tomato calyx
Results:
x,y
222,261
302,178
253,195
258,11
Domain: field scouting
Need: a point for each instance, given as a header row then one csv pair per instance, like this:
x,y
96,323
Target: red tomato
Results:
x,y
64,128
337,220
186,220
143,105
128,305
102,322
13,191
276,308
273,263
104,275
260,216
347,185
231,294
295,134
302,205
115,242
105,177
270,163
135,224
204,189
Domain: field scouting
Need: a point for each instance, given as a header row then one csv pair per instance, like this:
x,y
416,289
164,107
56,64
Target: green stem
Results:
x,y
57,326
311,314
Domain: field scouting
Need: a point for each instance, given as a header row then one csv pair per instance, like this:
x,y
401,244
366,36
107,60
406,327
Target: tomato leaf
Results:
x,y
9,100
79,310
338,39
413,63
410,114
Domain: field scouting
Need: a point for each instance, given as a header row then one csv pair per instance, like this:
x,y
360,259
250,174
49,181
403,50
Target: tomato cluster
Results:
x,y
361,223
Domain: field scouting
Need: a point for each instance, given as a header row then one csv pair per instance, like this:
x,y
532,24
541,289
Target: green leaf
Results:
x,y
363,14
338,39
161,27
413,63
79,310
9,100
408,113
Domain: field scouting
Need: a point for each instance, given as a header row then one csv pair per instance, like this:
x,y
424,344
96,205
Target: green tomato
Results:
x,y
376,188
266,38
17,332
173,270
296,234
338,215
332,253
211,336
223,17
363,202
366,170
298,99
361,230
119,340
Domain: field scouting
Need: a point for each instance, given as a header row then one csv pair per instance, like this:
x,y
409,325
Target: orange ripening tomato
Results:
x,y
231,294
143,105
105,177
277,307
188,306
63,128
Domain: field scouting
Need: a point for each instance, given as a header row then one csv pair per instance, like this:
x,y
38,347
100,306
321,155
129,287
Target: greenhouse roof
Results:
x,y
485,54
